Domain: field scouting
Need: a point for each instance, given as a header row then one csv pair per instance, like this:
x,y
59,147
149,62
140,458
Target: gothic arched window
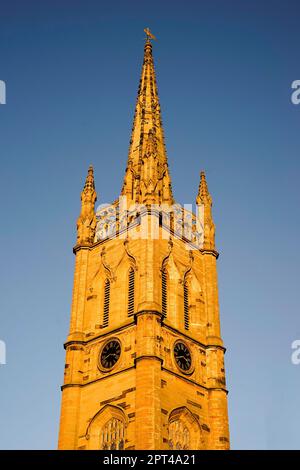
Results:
x,y
186,306
179,435
106,303
164,292
131,292
184,430
107,429
112,435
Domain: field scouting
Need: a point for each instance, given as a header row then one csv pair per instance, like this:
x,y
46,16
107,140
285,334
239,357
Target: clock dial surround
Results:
x,y
110,354
182,356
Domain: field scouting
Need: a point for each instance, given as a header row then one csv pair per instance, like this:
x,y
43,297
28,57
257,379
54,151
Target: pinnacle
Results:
x,y
90,182
203,193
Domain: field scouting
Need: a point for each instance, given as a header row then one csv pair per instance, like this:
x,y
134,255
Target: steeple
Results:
x,y
204,199
144,364
147,176
86,223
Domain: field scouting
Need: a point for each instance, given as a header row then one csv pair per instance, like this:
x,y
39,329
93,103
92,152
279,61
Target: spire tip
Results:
x,y
149,36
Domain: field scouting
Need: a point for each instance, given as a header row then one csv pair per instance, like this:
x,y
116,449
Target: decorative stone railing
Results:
x,y
117,220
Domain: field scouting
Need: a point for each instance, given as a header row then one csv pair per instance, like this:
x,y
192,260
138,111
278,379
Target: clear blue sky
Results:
x,y
224,73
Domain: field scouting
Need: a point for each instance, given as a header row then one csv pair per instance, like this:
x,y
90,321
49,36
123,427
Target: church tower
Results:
x,y
144,356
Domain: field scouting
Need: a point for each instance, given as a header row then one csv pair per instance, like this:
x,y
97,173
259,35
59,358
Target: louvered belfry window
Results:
x,y
106,303
186,306
131,292
164,290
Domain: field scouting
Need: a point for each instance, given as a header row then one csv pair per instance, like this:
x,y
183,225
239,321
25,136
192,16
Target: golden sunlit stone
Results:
x,y
144,356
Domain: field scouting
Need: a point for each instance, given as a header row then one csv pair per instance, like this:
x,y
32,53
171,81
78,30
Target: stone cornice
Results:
x,y
111,374
188,379
148,312
190,338
81,247
140,358
90,382
101,335
132,323
205,251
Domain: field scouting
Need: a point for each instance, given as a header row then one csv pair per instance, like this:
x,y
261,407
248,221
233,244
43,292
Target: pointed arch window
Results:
x,y
112,435
131,279
164,292
179,435
107,429
106,303
184,430
186,306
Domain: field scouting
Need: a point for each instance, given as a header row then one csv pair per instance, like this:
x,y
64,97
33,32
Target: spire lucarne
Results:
x,y
147,178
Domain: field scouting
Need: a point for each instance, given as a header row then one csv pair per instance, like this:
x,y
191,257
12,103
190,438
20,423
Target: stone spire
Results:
x,y
86,223
204,201
147,176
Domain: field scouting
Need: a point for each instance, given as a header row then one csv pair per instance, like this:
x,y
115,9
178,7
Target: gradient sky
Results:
x,y
224,72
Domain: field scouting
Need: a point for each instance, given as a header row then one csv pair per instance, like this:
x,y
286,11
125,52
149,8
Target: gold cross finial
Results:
x,y
149,35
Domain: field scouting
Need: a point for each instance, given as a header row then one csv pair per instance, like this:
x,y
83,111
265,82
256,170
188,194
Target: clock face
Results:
x,y
182,356
110,354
